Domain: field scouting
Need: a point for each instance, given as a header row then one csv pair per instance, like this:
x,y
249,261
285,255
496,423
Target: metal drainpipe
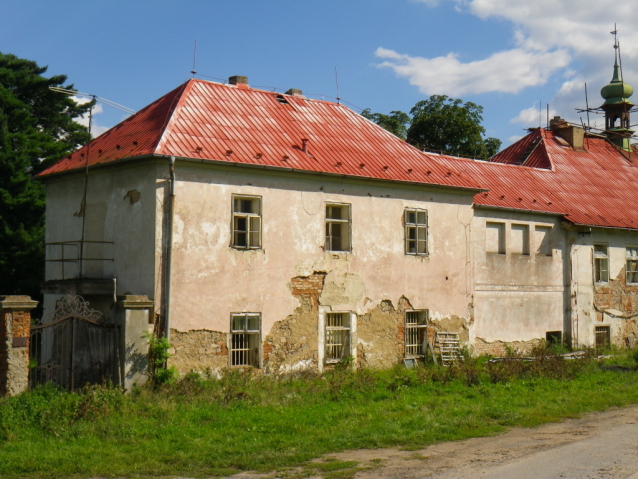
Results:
x,y
169,252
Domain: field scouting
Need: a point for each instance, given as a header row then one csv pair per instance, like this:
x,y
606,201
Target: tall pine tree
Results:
x,y
37,128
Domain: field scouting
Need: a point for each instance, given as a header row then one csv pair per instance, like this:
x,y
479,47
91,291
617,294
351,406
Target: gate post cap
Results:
x,y
134,301
17,302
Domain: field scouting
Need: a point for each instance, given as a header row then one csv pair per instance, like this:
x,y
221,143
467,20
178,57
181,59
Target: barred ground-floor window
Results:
x,y
416,333
337,344
245,339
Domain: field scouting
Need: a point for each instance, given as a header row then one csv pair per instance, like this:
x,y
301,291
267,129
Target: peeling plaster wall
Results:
x,y
518,298
614,304
211,280
120,208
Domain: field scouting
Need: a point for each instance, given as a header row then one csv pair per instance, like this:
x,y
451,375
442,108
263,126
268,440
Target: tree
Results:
x,y
441,124
37,128
396,122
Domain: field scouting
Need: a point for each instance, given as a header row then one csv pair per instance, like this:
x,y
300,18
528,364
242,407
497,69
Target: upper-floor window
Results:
x,y
416,231
495,237
601,264
337,227
245,333
632,264
246,222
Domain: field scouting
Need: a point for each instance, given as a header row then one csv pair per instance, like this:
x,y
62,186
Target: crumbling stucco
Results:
x,y
616,305
501,348
380,334
292,342
198,350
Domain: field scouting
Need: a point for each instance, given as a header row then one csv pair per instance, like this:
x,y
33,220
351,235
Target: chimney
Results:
x,y
304,145
572,134
295,92
239,80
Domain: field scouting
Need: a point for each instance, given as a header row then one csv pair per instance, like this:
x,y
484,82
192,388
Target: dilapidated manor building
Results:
x,y
284,233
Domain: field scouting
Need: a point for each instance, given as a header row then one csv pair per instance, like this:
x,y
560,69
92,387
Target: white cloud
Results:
x,y
514,138
548,35
508,71
96,129
533,116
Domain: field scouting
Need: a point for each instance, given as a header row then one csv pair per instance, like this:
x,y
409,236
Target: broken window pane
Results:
x,y
337,228
246,223
601,264
416,231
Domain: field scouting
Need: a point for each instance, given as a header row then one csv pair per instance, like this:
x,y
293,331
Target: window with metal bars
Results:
x,y
416,333
245,341
416,231
603,336
632,265
337,337
246,222
337,227
601,264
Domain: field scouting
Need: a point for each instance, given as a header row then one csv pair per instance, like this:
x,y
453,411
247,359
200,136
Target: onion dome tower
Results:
x,y
617,107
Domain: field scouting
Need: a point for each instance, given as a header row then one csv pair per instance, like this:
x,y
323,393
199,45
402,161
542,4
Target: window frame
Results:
x,y
347,352
417,226
258,363
600,330
248,217
599,258
415,326
628,259
329,221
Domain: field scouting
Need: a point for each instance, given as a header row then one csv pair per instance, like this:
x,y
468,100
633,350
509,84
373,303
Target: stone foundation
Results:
x,y
198,350
500,348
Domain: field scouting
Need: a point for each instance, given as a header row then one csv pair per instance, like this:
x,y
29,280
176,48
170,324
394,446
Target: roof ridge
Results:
x,y
177,103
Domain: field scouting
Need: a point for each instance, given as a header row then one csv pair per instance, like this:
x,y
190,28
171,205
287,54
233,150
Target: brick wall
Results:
x,y
15,332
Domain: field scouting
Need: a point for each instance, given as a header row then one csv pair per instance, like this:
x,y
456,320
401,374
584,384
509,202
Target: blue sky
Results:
x,y
506,55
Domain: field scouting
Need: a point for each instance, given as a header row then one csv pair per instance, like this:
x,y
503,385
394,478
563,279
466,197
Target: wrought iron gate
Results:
x,y
77,347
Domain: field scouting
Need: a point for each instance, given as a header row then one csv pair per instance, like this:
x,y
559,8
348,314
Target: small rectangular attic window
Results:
x,y
282,99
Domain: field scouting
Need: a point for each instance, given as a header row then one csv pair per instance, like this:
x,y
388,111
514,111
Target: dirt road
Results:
x,y
599,445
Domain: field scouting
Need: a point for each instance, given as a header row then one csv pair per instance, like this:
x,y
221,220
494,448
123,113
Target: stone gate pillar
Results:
x,y
15,332
135,316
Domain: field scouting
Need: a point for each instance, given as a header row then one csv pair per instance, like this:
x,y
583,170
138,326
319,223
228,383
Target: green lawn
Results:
x,y
209,427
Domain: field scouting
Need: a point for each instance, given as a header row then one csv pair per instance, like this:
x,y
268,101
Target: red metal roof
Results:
x,y
240,125
595,186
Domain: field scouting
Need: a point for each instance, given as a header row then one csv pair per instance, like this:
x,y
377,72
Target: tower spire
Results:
x,y
617,104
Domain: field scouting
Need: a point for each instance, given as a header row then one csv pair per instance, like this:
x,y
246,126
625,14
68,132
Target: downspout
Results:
x,y
169,252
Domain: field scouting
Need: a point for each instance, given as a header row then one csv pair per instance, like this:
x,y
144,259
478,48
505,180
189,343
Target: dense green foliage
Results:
x,y
203,426
396,122
441,124
37,128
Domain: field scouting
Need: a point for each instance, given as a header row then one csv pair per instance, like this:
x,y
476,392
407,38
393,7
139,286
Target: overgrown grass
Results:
x,y
212,427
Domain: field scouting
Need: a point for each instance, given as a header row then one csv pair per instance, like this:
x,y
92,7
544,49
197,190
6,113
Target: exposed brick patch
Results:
x,y
308,288
617,295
